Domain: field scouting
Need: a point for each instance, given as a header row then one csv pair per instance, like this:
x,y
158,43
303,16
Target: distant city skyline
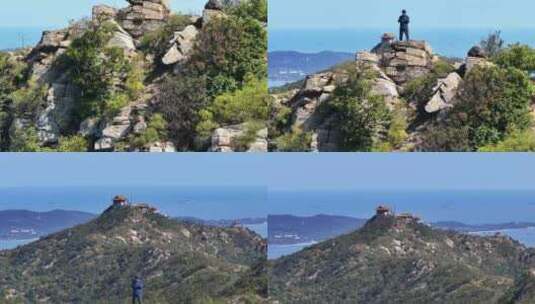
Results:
x,y
315,14
52,14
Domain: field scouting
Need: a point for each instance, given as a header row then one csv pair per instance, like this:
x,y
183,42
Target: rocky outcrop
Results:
x,y
406,60
161,147
221,4
476,57
103,12
444,92
143,16
181,45
41,58
382,85
472,62
121,39
224,139
56,115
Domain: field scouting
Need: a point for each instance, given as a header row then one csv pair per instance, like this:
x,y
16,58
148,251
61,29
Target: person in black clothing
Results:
x,y
404,21
137,290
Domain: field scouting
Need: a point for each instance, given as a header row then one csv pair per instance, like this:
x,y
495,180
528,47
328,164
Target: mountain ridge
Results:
x,y
183,262
398,257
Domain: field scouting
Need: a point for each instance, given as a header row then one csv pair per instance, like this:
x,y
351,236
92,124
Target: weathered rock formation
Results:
x,y
404,60
224,139
143,16
181,45
395,64
444,92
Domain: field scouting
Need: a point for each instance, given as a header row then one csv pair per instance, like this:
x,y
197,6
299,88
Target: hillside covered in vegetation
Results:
x,y
141,78
400,96
96,262
398,259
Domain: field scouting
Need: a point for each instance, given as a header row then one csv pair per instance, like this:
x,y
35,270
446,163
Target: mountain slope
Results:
x,y
399,260
41,223
180,262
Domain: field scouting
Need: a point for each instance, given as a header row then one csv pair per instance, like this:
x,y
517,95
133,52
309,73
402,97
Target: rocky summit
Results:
x,y
96,85
180,262
407,75
395,258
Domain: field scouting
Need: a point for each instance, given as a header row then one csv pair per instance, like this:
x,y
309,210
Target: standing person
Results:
x,y
404,21
137,290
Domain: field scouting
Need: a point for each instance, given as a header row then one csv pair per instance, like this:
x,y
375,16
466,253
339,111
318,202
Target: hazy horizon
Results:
x,y
43,14
381,13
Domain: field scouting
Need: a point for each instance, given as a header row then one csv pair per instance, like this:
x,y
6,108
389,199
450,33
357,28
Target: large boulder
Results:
x,y
161,147
444,92
223,139
221,4
143,16
406,60
123,41
182,45
56,117
115,130
477,51
103,12
472,62
51,41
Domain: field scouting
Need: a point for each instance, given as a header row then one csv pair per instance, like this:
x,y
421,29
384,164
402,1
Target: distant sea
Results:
x,y
16,37
469,207
261,229
210,203
448,42
525,236
11,244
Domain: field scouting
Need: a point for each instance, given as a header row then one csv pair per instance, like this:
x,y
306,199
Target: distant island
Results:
x,y
25,224
288,229
290,66
180,262
397,256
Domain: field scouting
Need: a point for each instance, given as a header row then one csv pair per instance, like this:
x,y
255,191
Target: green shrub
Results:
x,y
397,131
257,9
281,118
12,75
242,142
491,101
227,50
75,143
420,89
157,42
134,85
113,104
363,118
25,140
514,142
180,100
156,131
29,99
251,103
94,70
295,141
517,56
493,44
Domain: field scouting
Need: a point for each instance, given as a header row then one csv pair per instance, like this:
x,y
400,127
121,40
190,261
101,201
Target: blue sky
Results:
x,y
277,171
57,13
381,13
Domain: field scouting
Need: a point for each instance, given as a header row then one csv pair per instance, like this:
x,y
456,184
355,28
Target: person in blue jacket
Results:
x,y
404,21
137,290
